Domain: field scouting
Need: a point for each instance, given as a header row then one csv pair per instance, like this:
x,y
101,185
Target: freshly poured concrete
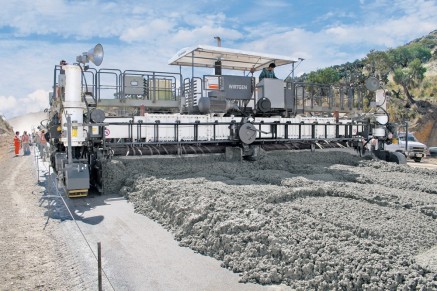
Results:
x,y
308,220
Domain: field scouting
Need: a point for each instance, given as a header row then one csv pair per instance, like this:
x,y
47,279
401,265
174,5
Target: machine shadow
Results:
x,y
58,206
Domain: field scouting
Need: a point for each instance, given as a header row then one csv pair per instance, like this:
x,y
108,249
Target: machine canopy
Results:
x,y
232,59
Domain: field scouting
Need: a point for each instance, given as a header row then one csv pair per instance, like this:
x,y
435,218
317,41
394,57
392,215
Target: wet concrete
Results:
x,y
325,220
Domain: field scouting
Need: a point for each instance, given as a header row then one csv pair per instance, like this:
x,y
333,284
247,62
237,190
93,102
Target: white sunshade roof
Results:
x,y
232,59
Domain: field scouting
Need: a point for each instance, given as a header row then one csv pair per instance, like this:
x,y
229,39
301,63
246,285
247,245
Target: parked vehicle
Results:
x,y
409,146
433,151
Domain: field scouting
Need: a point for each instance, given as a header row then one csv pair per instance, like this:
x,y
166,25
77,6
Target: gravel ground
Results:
x,y
32,257
325,220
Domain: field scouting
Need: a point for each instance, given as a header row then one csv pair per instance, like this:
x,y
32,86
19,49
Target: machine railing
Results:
x,y
149,85
108,80
129,84
313,97
192,88
162,92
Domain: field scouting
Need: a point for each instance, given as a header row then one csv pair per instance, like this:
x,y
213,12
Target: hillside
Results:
x,y
429,40
424,112
6,138
413,97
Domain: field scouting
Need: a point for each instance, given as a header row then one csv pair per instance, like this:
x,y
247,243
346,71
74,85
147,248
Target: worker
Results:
x,y
25,143
268,73
17,143
37,140
44,146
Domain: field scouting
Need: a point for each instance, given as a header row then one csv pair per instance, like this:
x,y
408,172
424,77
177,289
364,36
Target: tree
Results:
x,y
409,76
351,73
405,63
324,76
377,65
402,56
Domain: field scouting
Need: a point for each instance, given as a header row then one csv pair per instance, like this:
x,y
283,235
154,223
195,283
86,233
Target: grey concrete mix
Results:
x,y
324,220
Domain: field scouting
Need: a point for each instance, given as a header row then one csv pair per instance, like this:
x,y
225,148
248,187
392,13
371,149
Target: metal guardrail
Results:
x,y
313,97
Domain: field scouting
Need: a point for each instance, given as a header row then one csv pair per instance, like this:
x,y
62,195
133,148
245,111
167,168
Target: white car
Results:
x,y
410,147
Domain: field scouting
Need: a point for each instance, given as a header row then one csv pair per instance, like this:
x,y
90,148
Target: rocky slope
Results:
x,y
6,138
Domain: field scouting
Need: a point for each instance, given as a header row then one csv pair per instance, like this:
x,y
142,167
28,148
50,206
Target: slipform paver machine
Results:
x,y
96,114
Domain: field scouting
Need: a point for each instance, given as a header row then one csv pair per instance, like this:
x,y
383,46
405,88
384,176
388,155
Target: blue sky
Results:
x,y
144,35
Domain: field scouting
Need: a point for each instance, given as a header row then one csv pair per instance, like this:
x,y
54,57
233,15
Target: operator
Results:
x,y
268,73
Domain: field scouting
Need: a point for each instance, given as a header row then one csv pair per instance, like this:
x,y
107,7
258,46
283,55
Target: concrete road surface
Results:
x,y
137,253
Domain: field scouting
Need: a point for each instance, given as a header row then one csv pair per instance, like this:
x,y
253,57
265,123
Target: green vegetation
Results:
x,y
405,64
324,76
409,75
402,69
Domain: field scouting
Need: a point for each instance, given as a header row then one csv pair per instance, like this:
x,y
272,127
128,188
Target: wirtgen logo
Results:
x,y
238,87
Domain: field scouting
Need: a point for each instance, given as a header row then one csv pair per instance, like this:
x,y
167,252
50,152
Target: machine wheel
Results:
x,y
382,155
250,153
397,158
250,158
417,160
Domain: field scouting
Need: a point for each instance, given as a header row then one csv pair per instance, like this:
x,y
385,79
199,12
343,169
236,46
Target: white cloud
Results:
x,y
38,100
203,34
202,19
145,34
13,106
336,15
273,4
87,19
8,105
150,30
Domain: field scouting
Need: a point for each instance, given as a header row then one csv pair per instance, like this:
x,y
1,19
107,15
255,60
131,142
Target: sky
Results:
x,y
143,35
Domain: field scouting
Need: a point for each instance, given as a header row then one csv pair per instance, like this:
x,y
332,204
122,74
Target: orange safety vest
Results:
x,y
16,141
17,145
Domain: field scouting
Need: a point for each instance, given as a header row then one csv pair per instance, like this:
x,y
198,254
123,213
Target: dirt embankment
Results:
x,y
432,141
6,138
324,220
425,127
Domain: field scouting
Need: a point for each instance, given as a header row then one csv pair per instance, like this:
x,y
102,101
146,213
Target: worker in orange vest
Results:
x,y
17,143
